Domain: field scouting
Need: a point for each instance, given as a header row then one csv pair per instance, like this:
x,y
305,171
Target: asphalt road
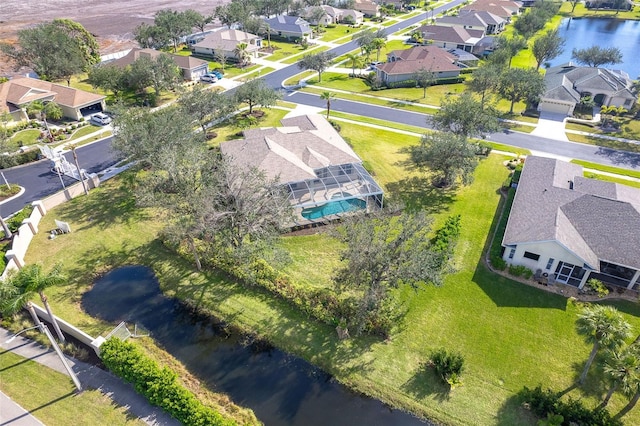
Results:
x,y
39,181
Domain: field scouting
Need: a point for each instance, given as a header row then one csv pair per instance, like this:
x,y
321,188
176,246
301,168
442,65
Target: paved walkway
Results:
x,y
90,376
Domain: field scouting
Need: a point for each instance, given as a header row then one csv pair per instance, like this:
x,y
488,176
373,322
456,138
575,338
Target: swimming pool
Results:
x,y
334,207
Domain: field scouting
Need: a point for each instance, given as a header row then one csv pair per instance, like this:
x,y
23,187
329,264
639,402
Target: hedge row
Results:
x,y
7,161
158,385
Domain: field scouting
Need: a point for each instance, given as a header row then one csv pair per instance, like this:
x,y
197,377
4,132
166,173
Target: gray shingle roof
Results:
x,y
291,24
596,220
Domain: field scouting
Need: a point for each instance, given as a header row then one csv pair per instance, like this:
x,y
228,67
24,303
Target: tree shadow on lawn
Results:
x,y
425,382
417,193
512,412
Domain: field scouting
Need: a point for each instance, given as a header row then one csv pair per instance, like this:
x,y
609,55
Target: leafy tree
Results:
x,y
5,138
327,96
574,3
381,253
54,50
53,111
265,29
221,57
317,62
150,36
378,44
463,115
484,79
450,157
196,20
424,78
174,24
26,283
107,77
234,12
508,47
365,38
602,326
622,370
161,72
314,15
528,24
518,84
356,62
256,92
206,105
548,46
596,56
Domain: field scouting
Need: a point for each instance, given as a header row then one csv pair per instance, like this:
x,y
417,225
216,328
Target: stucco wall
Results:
x,y
546,250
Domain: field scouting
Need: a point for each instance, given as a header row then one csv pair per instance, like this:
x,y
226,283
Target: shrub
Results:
x,y
15,221
598,287
519,270
545,402
448,365
499,263
158,385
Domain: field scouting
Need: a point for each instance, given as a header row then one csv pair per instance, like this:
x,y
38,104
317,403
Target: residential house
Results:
x,y
568,228
190,68
502,8
453,37
333,15
227,41
367,7
475,20
323,176
566,84
17,93
289,27
402,65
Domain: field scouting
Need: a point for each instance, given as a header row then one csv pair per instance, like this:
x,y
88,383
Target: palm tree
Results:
x,y
241,53
327,96
22,286
622,369
378,43
603,326
356,62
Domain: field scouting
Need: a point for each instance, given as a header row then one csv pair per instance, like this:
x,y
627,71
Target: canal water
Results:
x,y
280,388
586,32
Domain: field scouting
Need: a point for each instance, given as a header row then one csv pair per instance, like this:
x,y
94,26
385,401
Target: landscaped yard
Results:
x,y
510,334
25,137
284,50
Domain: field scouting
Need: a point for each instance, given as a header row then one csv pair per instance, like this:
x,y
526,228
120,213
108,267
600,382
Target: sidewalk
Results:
x,y
90,376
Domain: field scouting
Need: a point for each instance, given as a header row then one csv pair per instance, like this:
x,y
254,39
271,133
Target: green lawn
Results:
x,y
312,50
375,121
510,334
257,73
25,137
595,140
338,32
228,131
609,169
50,396
284,50
582,12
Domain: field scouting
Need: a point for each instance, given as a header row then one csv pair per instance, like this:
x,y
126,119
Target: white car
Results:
x,y
101,119
209,78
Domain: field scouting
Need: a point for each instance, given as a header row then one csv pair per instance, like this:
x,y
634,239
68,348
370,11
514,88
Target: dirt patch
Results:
x,y
111,21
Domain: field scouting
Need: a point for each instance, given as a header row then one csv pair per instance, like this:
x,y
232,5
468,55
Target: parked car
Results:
x,y
100,119
217,74
209,78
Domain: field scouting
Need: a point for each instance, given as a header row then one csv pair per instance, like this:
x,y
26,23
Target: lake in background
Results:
x,y
586,32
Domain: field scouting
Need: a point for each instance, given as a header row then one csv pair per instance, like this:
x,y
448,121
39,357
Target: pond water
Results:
x,y
280,388
586,32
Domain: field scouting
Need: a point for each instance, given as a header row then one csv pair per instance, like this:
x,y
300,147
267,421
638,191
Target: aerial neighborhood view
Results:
x,y
320,212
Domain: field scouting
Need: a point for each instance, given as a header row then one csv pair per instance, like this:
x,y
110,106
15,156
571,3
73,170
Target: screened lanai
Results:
x,y
337,190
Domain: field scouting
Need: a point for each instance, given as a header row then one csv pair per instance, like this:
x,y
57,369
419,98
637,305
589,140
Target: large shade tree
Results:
x,y
256,92
602,327
448,156
317,62
484,80
206,106
596,56
547,46
464,115
519,84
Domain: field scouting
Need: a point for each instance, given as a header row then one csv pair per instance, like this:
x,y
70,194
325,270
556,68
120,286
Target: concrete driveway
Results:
x,y
551,126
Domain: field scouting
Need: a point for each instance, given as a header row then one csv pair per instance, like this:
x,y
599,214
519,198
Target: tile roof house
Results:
x,y
227,41
453,37
573,228
502,8
368,7
313,162
566,84
190,68
475,20
289,27
402,65
16,93
333,15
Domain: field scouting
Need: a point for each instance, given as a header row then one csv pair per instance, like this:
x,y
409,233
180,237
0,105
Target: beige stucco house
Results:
x,y
402,65
227,41
190,68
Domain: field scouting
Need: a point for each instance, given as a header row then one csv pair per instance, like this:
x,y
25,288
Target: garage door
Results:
x,y
554,107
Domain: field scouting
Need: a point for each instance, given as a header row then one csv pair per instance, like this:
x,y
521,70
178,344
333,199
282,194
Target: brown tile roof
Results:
x,y
291,152
184,62
21,91
431,58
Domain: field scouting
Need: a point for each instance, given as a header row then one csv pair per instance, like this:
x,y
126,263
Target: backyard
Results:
x,y
510,334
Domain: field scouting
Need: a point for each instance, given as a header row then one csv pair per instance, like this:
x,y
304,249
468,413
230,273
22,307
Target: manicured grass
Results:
x,y
525,58
25,137
312,50
510,334
229,130
629,128
608,169
369,120
84,131
508,148
50,395
338,32
295,80
518,127
594,140
259,72
285,50
607,178
582,12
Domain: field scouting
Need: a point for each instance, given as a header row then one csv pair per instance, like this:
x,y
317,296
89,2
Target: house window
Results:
x,y
531,256
550,263
512,253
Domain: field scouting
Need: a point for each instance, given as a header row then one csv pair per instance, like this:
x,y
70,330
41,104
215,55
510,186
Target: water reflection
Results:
x,y
280,388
